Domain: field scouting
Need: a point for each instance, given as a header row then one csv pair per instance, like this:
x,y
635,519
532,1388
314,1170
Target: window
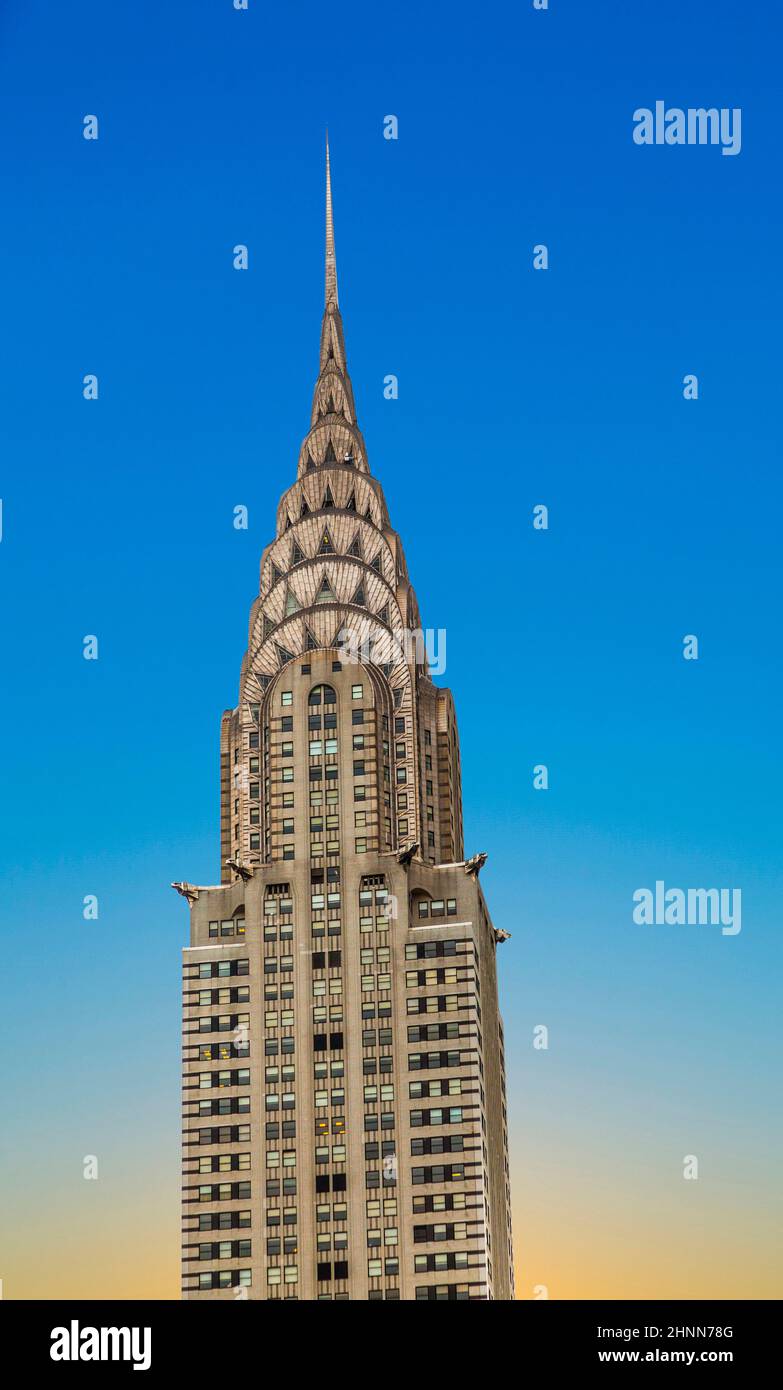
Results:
x,y
357,692
322,694
286,697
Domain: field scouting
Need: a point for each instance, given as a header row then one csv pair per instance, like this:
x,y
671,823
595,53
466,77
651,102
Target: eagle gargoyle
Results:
x,y
474,865
239,868
186,890
404,856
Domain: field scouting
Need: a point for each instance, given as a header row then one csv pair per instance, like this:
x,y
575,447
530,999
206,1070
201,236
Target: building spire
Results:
x,y
331,260
334,436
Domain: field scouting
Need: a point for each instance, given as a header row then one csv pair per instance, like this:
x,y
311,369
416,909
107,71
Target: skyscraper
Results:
x,y
344,1112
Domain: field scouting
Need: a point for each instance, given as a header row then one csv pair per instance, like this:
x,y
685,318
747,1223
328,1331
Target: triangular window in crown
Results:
x,y
330,410
326,547
350,505
310,463
268,626
304,509
359,597
387,668
288,523
282,654
377,563
328,498
368,513
384,614
297,554
355,547
276,573
292,604
263,681
310,643
326,593
330,456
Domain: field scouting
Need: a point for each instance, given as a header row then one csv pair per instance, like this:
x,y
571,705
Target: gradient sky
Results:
x,y
516,388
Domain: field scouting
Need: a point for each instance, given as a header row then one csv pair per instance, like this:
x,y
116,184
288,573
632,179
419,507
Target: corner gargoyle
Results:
x,y
186,890
239,868
404,856
474,865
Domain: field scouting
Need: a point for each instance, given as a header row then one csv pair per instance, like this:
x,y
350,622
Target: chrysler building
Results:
x,y
344,1097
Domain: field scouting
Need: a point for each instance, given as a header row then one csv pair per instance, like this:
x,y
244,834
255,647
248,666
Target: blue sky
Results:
x,y
516,388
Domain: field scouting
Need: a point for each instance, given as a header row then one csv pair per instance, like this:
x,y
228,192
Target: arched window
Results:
x,y
420,905
322,694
